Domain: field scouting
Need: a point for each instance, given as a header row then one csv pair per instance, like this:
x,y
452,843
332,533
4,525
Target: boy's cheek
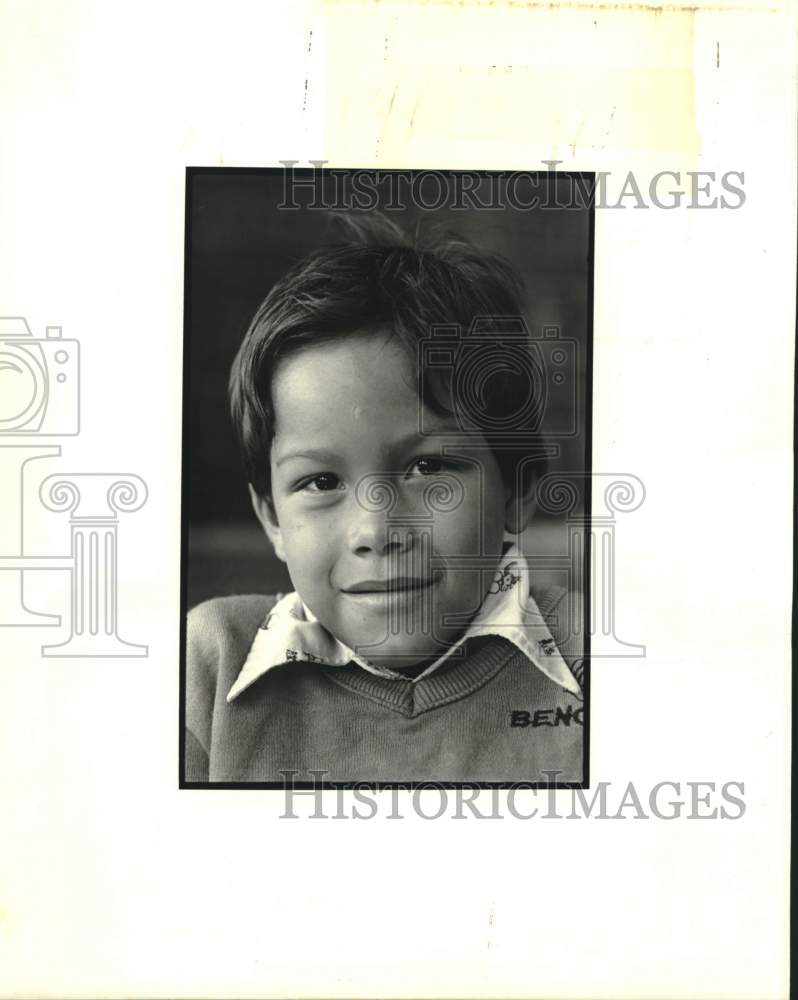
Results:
x,y
306,551
459,533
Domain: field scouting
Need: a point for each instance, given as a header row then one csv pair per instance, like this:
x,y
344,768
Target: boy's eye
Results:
x,y
428,466
323,483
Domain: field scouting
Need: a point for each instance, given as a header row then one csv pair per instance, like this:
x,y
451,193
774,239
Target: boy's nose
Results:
x,y
375,526
372,534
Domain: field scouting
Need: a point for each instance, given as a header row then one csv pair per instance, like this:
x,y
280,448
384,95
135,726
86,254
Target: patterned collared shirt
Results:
x,y
291,633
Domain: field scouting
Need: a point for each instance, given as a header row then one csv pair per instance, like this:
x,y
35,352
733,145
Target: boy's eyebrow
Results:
x,y
316,455
416,438
411,440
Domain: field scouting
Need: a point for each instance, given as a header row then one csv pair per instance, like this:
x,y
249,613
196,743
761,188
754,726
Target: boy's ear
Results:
x,y
520,506
265,514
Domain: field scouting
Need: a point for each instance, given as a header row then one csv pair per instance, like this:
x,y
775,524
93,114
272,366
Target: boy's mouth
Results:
x,y
397,585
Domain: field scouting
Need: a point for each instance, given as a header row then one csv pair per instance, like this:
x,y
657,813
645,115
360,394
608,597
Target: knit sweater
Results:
x,y
487,715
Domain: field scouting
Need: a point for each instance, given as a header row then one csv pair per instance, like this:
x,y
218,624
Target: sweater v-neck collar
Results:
x,y
471,667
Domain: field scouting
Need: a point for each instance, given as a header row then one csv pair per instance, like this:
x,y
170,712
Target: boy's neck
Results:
x,y
414,669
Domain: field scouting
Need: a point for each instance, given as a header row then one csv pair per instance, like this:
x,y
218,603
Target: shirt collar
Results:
x,y
291,633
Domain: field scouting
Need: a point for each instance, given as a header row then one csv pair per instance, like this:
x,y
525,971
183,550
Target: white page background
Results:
x,y
115,883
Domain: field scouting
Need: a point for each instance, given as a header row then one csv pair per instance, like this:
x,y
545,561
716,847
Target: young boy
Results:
x,y
385,466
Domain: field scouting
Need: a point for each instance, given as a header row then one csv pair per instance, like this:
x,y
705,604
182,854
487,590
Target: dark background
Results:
x,y
240,243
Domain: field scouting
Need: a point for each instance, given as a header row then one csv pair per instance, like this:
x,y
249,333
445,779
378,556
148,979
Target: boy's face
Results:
x,y
347,414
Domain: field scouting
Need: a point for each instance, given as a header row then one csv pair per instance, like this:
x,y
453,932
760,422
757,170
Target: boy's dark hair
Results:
x,y
377,277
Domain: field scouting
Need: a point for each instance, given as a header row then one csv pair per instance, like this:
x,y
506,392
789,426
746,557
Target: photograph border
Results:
x,y
308,173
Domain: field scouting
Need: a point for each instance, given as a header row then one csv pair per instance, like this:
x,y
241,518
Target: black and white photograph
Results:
x,y
386,446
